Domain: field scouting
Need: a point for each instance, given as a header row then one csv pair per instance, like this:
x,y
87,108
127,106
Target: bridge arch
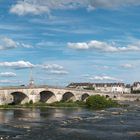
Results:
x,y
114,97
68,96
107,96
19,98
84,97
47,97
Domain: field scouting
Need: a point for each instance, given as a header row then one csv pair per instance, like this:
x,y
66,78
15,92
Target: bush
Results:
x,y
100,102
68,104
31,102
89,88
136,91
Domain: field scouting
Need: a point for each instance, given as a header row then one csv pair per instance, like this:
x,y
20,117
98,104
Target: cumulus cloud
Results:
x,y
8,43
52,67
23,8
37,7
127,66
79,46
102,46
17,64
7,74
104,78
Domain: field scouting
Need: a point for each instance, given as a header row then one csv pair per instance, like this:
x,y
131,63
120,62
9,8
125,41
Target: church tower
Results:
x,y
31,82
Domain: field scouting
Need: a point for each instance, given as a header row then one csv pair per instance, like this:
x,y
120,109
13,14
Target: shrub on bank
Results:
x,y
93,102
68,104
100,102
89,88
136,91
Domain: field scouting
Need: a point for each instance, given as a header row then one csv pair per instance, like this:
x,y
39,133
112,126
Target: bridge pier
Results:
x,y
50,95
47,97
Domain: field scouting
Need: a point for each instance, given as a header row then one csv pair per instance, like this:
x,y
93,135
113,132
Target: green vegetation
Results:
x,y
136,91
30,102
6,106
26,105
68,104
56,104
89,88
100,102
92,102
42,105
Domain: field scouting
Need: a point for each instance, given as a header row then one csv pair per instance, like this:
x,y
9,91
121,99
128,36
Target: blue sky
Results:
x,y
69,41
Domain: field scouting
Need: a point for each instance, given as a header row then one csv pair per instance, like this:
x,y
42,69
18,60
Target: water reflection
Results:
x,y
76,124
6,116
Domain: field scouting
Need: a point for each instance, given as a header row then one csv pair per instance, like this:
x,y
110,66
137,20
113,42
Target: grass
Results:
x,y
42,105
68,104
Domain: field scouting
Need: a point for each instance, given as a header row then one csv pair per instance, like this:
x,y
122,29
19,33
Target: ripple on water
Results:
x,y
71,124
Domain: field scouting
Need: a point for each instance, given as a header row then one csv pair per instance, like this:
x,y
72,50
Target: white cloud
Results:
x,y
37,7
127,66
85,75
49,43
23,8
101,67
17,65
79,46
59,72
7,74
5,81
24,45
102,46
8,43
52,67
104,78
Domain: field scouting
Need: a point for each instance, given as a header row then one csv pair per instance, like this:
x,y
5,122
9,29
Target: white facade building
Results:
x,y
110,87
80,85
127,89
101,87
136,86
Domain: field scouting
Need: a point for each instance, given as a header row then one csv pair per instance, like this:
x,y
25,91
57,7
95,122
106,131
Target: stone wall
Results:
x,y
56,94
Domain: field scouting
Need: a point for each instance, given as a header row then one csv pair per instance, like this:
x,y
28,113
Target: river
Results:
x,y
70,124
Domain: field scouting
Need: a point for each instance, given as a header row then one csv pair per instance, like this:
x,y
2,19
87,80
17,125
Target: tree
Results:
x,y
100,102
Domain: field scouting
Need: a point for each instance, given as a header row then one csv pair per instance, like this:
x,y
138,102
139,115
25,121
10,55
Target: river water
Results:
x,y
70,124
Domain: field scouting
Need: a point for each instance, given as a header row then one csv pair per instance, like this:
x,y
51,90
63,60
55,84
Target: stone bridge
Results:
x,y
21,95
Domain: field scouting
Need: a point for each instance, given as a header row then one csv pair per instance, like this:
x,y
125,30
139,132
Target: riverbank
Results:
x,y
95,102
45,105
56,105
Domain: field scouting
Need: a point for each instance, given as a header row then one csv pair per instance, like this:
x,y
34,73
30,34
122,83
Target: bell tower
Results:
x,y
31,82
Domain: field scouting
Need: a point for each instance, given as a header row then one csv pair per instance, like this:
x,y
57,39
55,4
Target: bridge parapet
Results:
x,y
52,94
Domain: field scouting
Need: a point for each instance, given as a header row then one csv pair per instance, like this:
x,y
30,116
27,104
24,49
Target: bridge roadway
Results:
x,y
50,94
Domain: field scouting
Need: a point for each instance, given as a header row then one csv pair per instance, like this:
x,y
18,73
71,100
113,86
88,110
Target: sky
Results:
x,y
66,41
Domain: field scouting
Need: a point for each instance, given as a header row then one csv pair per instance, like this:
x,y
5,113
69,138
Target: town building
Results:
x,y
128,88
110,87
80,85
136,87
102,87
